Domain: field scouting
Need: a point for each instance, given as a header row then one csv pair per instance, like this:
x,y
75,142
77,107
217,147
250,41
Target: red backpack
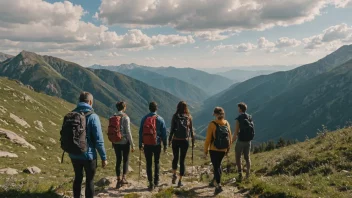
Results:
x,y
149,131
114,130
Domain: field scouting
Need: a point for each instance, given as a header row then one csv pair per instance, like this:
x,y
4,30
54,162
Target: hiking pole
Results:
x,y
192,164
140,164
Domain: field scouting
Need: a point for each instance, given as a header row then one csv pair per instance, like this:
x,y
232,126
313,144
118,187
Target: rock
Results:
x,y
52,140
105,181
42,158
3,109
30,87
344,171
3,121
8,171
52,123
58,159
32,170
7,154
39,125
15,138
130,169
19,121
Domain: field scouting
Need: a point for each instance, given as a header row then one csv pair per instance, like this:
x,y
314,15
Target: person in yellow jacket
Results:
x,y
218,152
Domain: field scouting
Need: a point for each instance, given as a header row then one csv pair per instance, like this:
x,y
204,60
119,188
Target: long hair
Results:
x,y
182,108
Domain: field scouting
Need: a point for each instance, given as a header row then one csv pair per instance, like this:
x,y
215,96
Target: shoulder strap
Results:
x,y
216,124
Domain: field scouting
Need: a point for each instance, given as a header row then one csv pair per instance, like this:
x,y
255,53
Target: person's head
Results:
x,y
182,108
153,107
219,113
86,97
121,106
242,107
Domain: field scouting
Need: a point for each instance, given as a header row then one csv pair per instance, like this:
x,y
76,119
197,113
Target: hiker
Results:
x,y
119,133
84,124
181,131
244,134
217,143
152,134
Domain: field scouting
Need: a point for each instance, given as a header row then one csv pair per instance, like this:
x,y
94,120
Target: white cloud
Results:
x,y
330,37
263,43
243,47
285,42
40,25
212,35
209,16
114,54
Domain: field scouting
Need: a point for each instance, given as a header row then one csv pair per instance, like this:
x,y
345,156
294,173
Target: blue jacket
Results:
x,y
94,133
160,130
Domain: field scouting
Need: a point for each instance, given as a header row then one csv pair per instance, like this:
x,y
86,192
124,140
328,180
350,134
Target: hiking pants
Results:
x,y
89,167
122,151
243,148
216,159
179,149
149,151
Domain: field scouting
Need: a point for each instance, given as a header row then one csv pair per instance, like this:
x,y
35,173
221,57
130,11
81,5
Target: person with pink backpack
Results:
x,y
152,134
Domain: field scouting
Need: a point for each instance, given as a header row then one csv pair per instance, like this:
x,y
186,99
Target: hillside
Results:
x,y
176,87
238,75
256,92
3,56
65,79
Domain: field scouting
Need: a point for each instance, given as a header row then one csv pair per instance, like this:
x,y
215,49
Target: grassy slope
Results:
x,y
314,168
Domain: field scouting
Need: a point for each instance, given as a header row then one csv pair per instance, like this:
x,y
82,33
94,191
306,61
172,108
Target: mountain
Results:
x,y
65,79
3,56
216,70
209,83
176,87
258,91
242,75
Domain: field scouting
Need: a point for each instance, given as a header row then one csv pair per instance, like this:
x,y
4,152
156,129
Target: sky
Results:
x,y
180,33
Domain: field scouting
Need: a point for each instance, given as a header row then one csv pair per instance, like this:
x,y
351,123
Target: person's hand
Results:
x,y
132,150
104,163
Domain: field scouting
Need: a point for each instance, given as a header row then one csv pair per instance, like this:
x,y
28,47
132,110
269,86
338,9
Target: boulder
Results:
x,y
13,137
52,140
19,121
8,171
106,181
32,170
7,154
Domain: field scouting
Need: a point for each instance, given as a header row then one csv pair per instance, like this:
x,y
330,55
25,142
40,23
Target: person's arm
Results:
x,y
208,138
128,131
237,130
141,133
172,129
230,137
98,136
163,132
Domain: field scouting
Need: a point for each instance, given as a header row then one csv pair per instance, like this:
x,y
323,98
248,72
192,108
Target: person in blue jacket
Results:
x,y
88,160
150,150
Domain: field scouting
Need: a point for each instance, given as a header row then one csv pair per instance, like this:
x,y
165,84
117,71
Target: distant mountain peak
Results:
x,y
4,56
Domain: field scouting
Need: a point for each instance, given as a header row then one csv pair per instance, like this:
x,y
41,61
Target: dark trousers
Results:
x,y
216,159
89,167
149,151
122,152
179,149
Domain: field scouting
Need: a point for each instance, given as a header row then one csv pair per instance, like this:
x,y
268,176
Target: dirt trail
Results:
x,y
190,189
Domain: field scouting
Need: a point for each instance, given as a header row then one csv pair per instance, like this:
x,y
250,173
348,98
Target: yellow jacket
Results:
x,y
209,141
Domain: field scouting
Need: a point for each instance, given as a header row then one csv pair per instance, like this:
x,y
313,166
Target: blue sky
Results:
x,y
182,33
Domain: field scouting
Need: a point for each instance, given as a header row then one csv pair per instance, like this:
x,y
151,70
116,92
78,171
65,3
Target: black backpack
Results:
x,y
222,140
73,133
181,126
246,128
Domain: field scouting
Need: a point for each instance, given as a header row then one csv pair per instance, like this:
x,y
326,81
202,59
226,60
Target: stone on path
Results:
x,y
52,140
8,171
39,125
32,170
13,137
7,154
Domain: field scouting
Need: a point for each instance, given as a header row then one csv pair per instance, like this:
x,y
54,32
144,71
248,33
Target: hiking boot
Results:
x,y
211,184
124,181
174,177
151,186
156,184
179,184
218,190
118,184
240,177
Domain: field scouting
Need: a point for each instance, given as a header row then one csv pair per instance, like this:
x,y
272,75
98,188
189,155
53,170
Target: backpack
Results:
x,y
222,140
246,128
114,129
149,131
181,127
74,133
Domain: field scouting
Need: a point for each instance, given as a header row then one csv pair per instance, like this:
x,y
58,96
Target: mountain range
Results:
x,y
292,104
179,88
3,56
66,80
238,75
